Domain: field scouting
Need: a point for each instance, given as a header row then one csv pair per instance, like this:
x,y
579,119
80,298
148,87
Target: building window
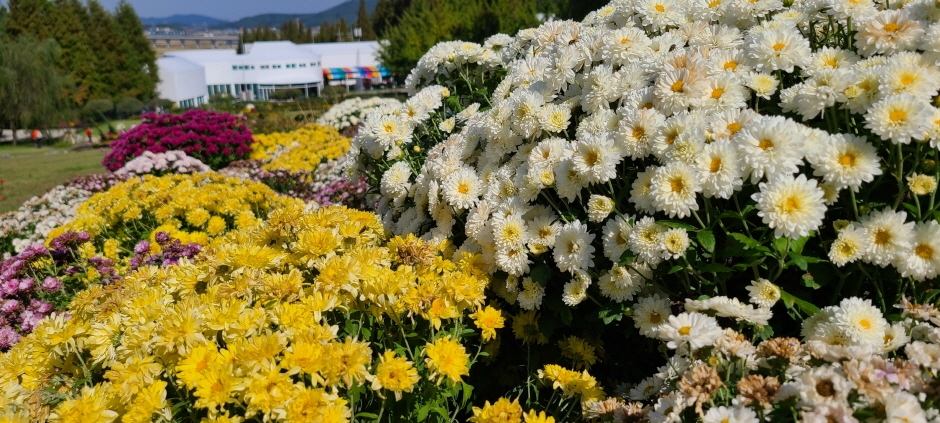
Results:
x,y
303,65
234,67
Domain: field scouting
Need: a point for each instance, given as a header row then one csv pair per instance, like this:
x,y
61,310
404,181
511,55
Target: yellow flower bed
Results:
x,y
299,150
249,327
191,208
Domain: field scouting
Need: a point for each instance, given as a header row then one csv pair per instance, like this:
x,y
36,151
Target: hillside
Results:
x,y
348,10
184,20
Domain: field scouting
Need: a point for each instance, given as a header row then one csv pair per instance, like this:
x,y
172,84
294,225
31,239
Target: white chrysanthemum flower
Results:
x,y
575,290
547,153
847,161
447,125
595,159
661,14
616,237
619,284
640,190
530,298
599,207
568,182
675,242
791,206
555,117
855,9
599,88
636,130
889,237
863,91
763,293
695,329
678,90
888,32
543,230
649,313
724,125
625,44
814,95
573,250
830,58
836,387
724,92
850,245
462,189
921,184
903,406
923,261
769,147
514,260
764,85
861,321
719,169
899,77
782,48
396,181
510,232
673,128
673,189
646,389
646,240
468,112
527,109
736,414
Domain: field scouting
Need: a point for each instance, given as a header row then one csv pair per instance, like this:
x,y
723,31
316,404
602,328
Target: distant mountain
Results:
x,y
348,10
184,20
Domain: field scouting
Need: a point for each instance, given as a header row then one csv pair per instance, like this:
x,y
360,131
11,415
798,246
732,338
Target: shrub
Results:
x,y
215,139
95,109
288,94
128,106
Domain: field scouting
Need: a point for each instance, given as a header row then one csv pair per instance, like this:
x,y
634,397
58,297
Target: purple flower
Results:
x,y
8,337
9,288
29,320
142,247
162,237
51,284
40,306
26,284
10,307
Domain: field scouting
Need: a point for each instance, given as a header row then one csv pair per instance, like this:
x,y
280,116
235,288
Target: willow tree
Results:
x,y
31,86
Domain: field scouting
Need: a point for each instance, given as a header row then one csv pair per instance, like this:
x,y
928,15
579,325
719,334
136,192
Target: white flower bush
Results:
x,y
351,112
33,221
734,154
174,161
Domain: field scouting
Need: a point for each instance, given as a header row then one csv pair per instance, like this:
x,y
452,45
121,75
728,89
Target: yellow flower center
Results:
x,y
897,115
463,188
882,237
714,3
907,79
847,160
715,165
790,205
685,330
765,144
734,127
717,92
591,158
923,251
865,323
625,40
779,46
832,63
655,318
660,8
677,86
638,132
677,184
892,27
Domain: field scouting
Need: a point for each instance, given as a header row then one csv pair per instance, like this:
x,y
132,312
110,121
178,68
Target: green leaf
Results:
x,y
746,240
368,415
781,245
675,224
798,260
810,282
707,239
804,306
798,244
467,391
423,412
541,274
911,208
717,268
676,268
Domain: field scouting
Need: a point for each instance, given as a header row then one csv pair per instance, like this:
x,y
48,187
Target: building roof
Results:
x,y
341,48
261,51
177,64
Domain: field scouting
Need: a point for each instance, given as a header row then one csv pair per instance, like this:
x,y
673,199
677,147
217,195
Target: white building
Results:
x,y
182,82
273,65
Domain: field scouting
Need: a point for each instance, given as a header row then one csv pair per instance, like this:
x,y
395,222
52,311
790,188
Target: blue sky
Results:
x,y
221,9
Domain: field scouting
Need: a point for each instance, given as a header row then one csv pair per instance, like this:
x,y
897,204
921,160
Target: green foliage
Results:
x,y
138,70
78,58
97,109
287,94
387,14
30,17
363,22
128,106
427,22
293,30
30,85
106,46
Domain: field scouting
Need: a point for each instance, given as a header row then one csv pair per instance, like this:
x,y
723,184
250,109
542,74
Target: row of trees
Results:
x,y
103,55
411,27
289,31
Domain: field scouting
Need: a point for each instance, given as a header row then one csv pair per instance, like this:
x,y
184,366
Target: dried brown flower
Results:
x,y
758,389
631,413
700,383
787,348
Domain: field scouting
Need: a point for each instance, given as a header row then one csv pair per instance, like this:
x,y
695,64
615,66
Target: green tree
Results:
x,y
106,46
30,84
128,106
139,75
3,21
78,59
30,17
387,14
342,30
364,23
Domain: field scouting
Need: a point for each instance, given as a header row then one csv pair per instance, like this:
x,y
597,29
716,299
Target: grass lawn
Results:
x,y
28,171
102,128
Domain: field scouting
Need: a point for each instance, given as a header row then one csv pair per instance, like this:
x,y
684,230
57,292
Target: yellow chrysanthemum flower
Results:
x,y
447,358
488,319
396,374
502,411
